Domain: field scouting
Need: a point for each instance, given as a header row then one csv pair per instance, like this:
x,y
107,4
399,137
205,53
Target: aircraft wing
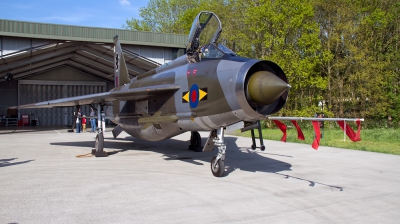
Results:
x,y
140,93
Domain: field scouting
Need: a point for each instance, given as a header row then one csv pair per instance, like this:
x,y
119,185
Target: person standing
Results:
x,y
92,120
78,121
84,124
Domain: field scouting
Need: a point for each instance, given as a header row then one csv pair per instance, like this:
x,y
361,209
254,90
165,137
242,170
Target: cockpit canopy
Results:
x,y
203,37
206,29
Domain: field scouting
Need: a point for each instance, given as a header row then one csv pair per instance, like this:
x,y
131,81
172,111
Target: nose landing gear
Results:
x,y
218,161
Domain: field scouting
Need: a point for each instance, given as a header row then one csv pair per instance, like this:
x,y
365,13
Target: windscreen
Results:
x,y
211,29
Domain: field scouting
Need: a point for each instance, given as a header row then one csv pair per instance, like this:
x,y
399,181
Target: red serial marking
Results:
x,y
189,72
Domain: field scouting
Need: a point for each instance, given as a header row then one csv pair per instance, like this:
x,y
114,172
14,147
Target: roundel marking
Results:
x,y
194,96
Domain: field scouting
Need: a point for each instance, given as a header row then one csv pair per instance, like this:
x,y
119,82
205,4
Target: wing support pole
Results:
x,y
74,118
251,127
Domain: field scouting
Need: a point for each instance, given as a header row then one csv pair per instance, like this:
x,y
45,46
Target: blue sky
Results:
x,y
97,13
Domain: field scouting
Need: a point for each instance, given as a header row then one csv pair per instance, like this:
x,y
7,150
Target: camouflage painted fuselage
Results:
x,y
212,94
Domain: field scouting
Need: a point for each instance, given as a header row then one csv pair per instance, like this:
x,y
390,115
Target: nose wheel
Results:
x,y
219,168
218,161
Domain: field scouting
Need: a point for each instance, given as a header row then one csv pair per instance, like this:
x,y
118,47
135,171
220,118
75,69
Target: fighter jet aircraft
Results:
x,y
208,89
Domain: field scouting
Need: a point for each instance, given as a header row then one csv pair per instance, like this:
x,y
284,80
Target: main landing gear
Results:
x,y
99,145
99,142
195,142
218,161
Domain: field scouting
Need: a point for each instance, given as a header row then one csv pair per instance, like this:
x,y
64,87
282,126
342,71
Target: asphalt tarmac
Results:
x,y
47,175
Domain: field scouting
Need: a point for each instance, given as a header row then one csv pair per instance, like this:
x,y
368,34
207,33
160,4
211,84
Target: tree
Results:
x,y
165,16
345,52
285,32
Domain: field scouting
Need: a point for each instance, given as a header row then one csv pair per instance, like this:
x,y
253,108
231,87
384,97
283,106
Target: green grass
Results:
x,y
372,140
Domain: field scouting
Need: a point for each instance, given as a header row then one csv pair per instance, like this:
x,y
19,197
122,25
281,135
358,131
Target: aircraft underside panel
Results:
x,y
152,133
169,129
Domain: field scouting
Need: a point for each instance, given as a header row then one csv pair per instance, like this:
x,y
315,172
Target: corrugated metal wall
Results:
x,y
64,73
31,92
55,84
8,97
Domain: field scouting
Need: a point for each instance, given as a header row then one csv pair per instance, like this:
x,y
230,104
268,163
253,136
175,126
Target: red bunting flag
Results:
x,y
317,138
300,134
316,124
281,126
349,131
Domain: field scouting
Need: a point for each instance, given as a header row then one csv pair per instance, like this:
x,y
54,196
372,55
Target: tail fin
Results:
x,y
121,75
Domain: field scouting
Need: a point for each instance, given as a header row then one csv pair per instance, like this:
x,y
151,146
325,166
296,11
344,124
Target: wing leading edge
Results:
x,y
140,93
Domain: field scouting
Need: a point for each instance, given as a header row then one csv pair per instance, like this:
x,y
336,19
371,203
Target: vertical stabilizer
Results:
x,y
121,75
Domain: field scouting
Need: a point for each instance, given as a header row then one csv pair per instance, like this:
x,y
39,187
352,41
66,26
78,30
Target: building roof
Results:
x,y
91,34
88,49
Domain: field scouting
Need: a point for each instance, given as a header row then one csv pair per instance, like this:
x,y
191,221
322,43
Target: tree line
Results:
x,y
341,56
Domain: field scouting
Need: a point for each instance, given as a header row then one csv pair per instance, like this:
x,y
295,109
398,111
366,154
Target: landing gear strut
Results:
x,y
218,161
195,142
254,145
99,143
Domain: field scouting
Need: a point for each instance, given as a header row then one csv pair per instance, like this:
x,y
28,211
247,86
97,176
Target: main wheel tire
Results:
x,y
253,147
195,142
99,145
262,148
219,169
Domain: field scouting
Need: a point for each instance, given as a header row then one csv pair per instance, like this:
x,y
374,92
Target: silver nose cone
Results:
x,y
264,87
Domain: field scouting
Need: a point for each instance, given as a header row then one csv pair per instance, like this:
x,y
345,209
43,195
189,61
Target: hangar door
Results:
x,y
33,91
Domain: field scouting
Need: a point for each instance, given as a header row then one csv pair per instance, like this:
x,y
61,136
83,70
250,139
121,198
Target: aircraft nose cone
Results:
x,y
264,87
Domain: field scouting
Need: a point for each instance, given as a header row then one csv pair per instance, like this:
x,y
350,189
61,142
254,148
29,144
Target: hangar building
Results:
x,y
40,62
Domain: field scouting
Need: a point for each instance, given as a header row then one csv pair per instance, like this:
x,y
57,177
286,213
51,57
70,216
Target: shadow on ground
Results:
x,y
172,149
7,162
241,158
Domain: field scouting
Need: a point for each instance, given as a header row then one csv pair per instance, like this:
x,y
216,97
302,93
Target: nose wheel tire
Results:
x,y
219,169
99,146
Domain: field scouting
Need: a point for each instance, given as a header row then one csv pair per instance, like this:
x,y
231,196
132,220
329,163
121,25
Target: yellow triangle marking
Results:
x,y
157,114
186,97
202,94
